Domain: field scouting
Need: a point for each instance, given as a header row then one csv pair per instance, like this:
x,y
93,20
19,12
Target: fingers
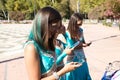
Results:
x,y
71,66
75,64
72,48
88,44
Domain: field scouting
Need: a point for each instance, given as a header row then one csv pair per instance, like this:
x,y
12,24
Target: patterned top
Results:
x,y
48,59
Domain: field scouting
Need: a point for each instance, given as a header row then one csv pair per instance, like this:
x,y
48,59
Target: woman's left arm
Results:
x,y
61,53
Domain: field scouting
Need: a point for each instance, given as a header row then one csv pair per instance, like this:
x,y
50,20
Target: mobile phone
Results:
x,y
81,61
75,44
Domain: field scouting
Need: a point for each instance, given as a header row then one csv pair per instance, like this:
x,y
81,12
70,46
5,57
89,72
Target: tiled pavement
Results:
x,y
12,38
105,49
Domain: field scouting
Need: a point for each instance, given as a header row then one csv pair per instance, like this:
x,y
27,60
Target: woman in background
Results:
x,y
74,33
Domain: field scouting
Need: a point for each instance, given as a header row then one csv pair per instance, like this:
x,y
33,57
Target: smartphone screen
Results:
x,y
75,44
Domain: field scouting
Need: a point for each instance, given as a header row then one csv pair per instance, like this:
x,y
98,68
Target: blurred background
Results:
x,y
23,11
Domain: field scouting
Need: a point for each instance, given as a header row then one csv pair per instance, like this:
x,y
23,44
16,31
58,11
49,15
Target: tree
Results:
x,y
112,9
17,16
108,9
97,12
3,13
116,9
26,7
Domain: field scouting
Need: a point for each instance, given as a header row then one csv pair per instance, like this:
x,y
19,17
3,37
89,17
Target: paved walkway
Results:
x,y
12,38
104,49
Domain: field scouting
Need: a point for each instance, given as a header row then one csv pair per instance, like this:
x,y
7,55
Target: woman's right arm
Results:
x,y
32,62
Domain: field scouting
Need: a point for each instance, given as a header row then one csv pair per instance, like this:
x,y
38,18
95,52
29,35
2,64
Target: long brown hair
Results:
x,y
42,26
73,26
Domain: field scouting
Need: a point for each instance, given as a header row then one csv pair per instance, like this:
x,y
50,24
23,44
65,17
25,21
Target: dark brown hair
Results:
x,y
73,27
42,27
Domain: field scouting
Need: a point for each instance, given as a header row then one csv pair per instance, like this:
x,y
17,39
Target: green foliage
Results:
x,y
66,10
88,5
9,5
3,14
112,9
109,9
43,3
109,24
97,12
2,4
95,8
26,7
116,8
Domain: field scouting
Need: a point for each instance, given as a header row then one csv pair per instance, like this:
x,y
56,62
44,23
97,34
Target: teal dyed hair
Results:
x,y
36,30
36,33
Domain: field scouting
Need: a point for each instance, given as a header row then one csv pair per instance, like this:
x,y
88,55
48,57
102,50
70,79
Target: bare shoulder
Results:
x,y
32,61
30,51
30,48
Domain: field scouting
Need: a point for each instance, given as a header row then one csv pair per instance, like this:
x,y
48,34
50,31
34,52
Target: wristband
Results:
x,y
55,75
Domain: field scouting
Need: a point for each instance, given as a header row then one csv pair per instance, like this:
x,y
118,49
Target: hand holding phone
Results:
x,y
74,45
81,61
88,44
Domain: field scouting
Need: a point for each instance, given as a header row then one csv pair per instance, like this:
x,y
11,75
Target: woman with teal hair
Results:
x,y
75,34
39,50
